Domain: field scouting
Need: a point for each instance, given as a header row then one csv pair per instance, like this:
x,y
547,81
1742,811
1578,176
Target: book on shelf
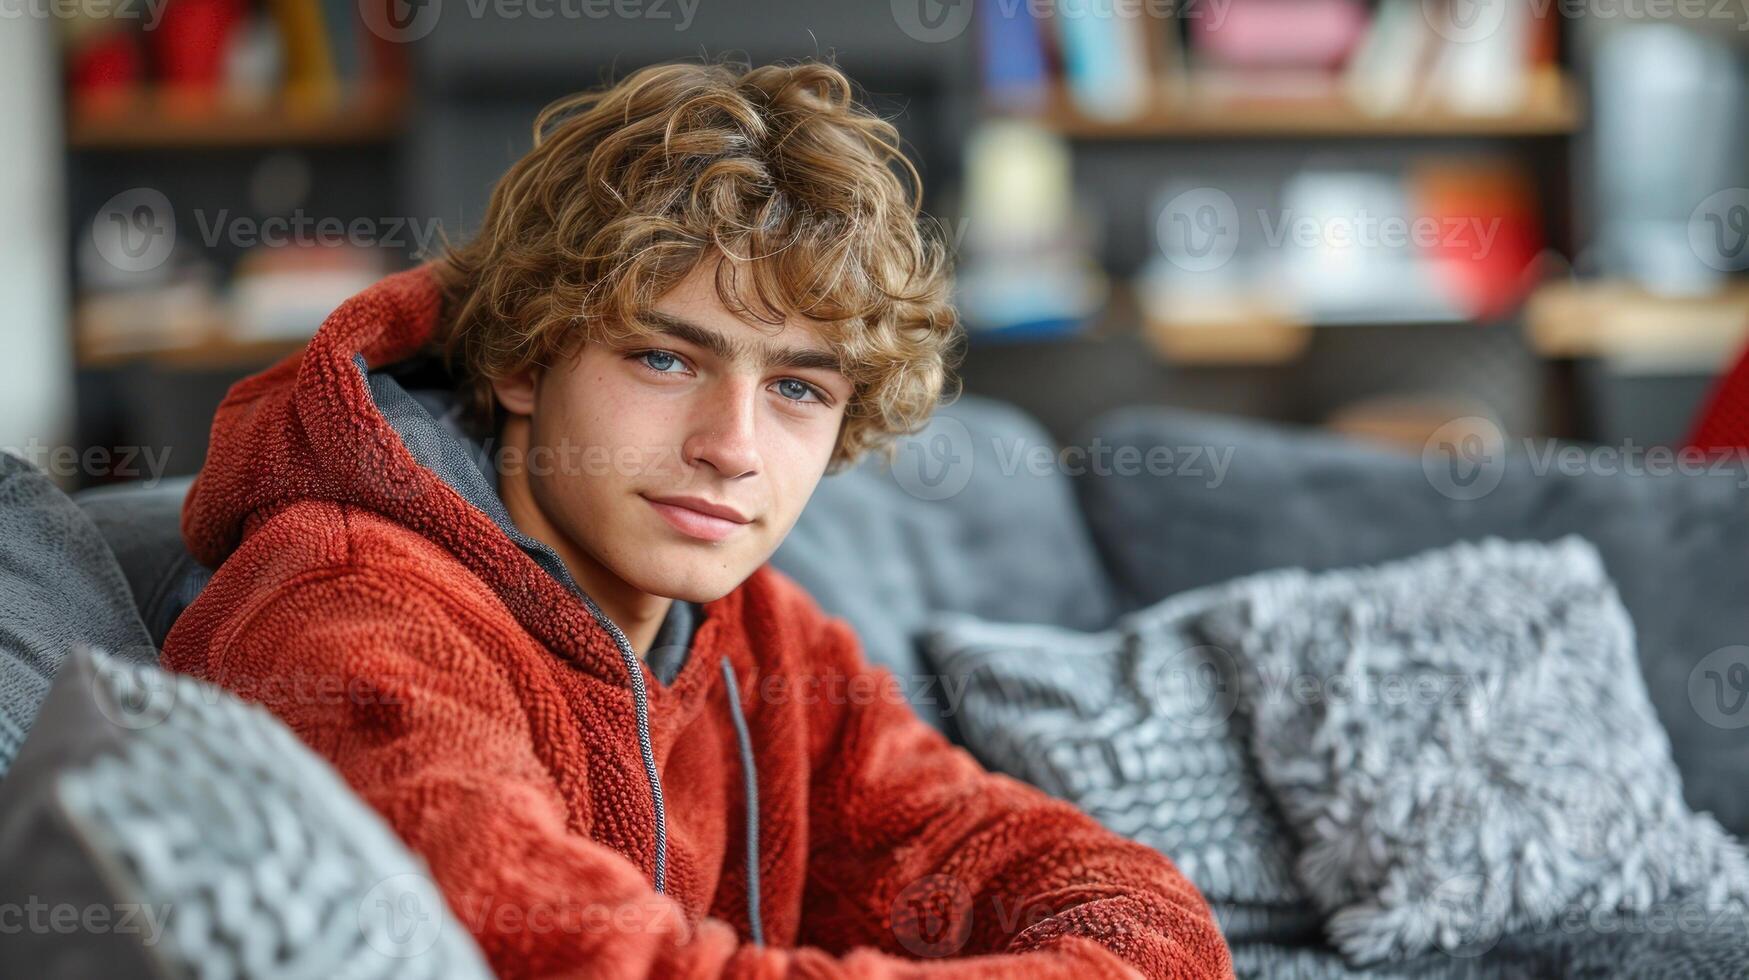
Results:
x,y
1105,59
1113,63
1012,55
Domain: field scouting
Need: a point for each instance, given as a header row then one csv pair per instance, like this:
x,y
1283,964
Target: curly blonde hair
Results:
x,y
803,192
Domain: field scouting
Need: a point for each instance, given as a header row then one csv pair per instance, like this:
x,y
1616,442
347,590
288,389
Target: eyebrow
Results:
x,y
725,348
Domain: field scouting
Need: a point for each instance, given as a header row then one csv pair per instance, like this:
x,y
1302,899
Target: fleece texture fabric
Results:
x,y
581,817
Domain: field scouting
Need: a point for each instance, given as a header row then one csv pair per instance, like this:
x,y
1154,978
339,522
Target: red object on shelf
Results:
x,y
1489,233
1724,423
104,71
386,63
188,48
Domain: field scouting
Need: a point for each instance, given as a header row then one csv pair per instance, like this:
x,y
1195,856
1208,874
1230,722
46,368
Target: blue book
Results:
x,y
1106,58
346,41
1015,74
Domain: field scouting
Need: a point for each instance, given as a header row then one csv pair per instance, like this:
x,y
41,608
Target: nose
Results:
x,y
724,433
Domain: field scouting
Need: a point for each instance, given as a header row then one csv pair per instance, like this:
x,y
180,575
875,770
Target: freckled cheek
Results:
x,y
622,413
792,468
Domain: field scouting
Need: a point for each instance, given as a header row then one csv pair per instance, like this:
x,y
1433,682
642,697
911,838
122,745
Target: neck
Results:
x,y
636,612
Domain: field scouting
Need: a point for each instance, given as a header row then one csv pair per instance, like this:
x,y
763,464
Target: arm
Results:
x,y
434,733
919,849
383,678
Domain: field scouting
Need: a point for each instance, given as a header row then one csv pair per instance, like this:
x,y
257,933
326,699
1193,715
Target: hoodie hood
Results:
x,y
317,426
365,416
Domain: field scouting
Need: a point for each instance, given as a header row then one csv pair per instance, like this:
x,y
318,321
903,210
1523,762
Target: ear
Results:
x,y
516,392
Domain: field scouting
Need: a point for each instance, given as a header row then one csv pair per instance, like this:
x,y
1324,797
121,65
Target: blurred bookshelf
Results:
x,y
233,173
1058,147
216,352
1130,137
157,121
1206,109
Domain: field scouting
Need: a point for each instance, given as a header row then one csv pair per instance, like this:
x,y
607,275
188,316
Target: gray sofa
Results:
x,y
983,514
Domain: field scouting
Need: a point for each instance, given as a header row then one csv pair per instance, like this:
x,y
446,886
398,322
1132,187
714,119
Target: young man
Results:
x,y
530,575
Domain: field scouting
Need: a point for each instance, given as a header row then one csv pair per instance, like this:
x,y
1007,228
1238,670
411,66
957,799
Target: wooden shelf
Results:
x,y
1264,339
157,122
1551,108
212,354
1625,323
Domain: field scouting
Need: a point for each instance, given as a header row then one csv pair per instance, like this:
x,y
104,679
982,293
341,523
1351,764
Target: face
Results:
x,y
675,465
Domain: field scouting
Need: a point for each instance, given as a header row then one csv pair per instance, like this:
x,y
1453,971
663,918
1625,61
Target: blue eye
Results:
x,y
798,391
659,361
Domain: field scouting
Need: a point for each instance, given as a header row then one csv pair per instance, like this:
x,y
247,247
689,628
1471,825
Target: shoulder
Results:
x,y
321,554
320,536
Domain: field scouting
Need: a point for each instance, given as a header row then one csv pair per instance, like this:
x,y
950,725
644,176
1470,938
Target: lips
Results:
x,y
698,518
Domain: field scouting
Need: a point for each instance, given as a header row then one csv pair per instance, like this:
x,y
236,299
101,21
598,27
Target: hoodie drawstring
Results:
x,y
641,700
750,776
749,772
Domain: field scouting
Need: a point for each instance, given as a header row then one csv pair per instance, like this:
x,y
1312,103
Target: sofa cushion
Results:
x,y
59,586
973,516
143,525
192,834
1676,545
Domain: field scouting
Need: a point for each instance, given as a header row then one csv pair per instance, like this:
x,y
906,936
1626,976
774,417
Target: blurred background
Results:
x,y
1375,216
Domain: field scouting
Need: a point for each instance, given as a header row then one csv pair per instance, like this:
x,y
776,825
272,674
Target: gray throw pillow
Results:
x,y
59,586
1132,725
1464,748
156,826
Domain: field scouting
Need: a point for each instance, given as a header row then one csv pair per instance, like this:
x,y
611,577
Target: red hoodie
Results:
x,y
580,817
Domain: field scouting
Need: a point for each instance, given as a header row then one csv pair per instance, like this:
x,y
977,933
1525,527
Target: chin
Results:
x,y
681,574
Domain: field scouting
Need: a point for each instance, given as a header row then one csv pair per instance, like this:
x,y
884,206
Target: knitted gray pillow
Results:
x,y
192,835
1133,726
1464,746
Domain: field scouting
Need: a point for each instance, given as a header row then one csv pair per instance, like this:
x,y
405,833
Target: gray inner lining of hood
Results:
x,y
429,423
